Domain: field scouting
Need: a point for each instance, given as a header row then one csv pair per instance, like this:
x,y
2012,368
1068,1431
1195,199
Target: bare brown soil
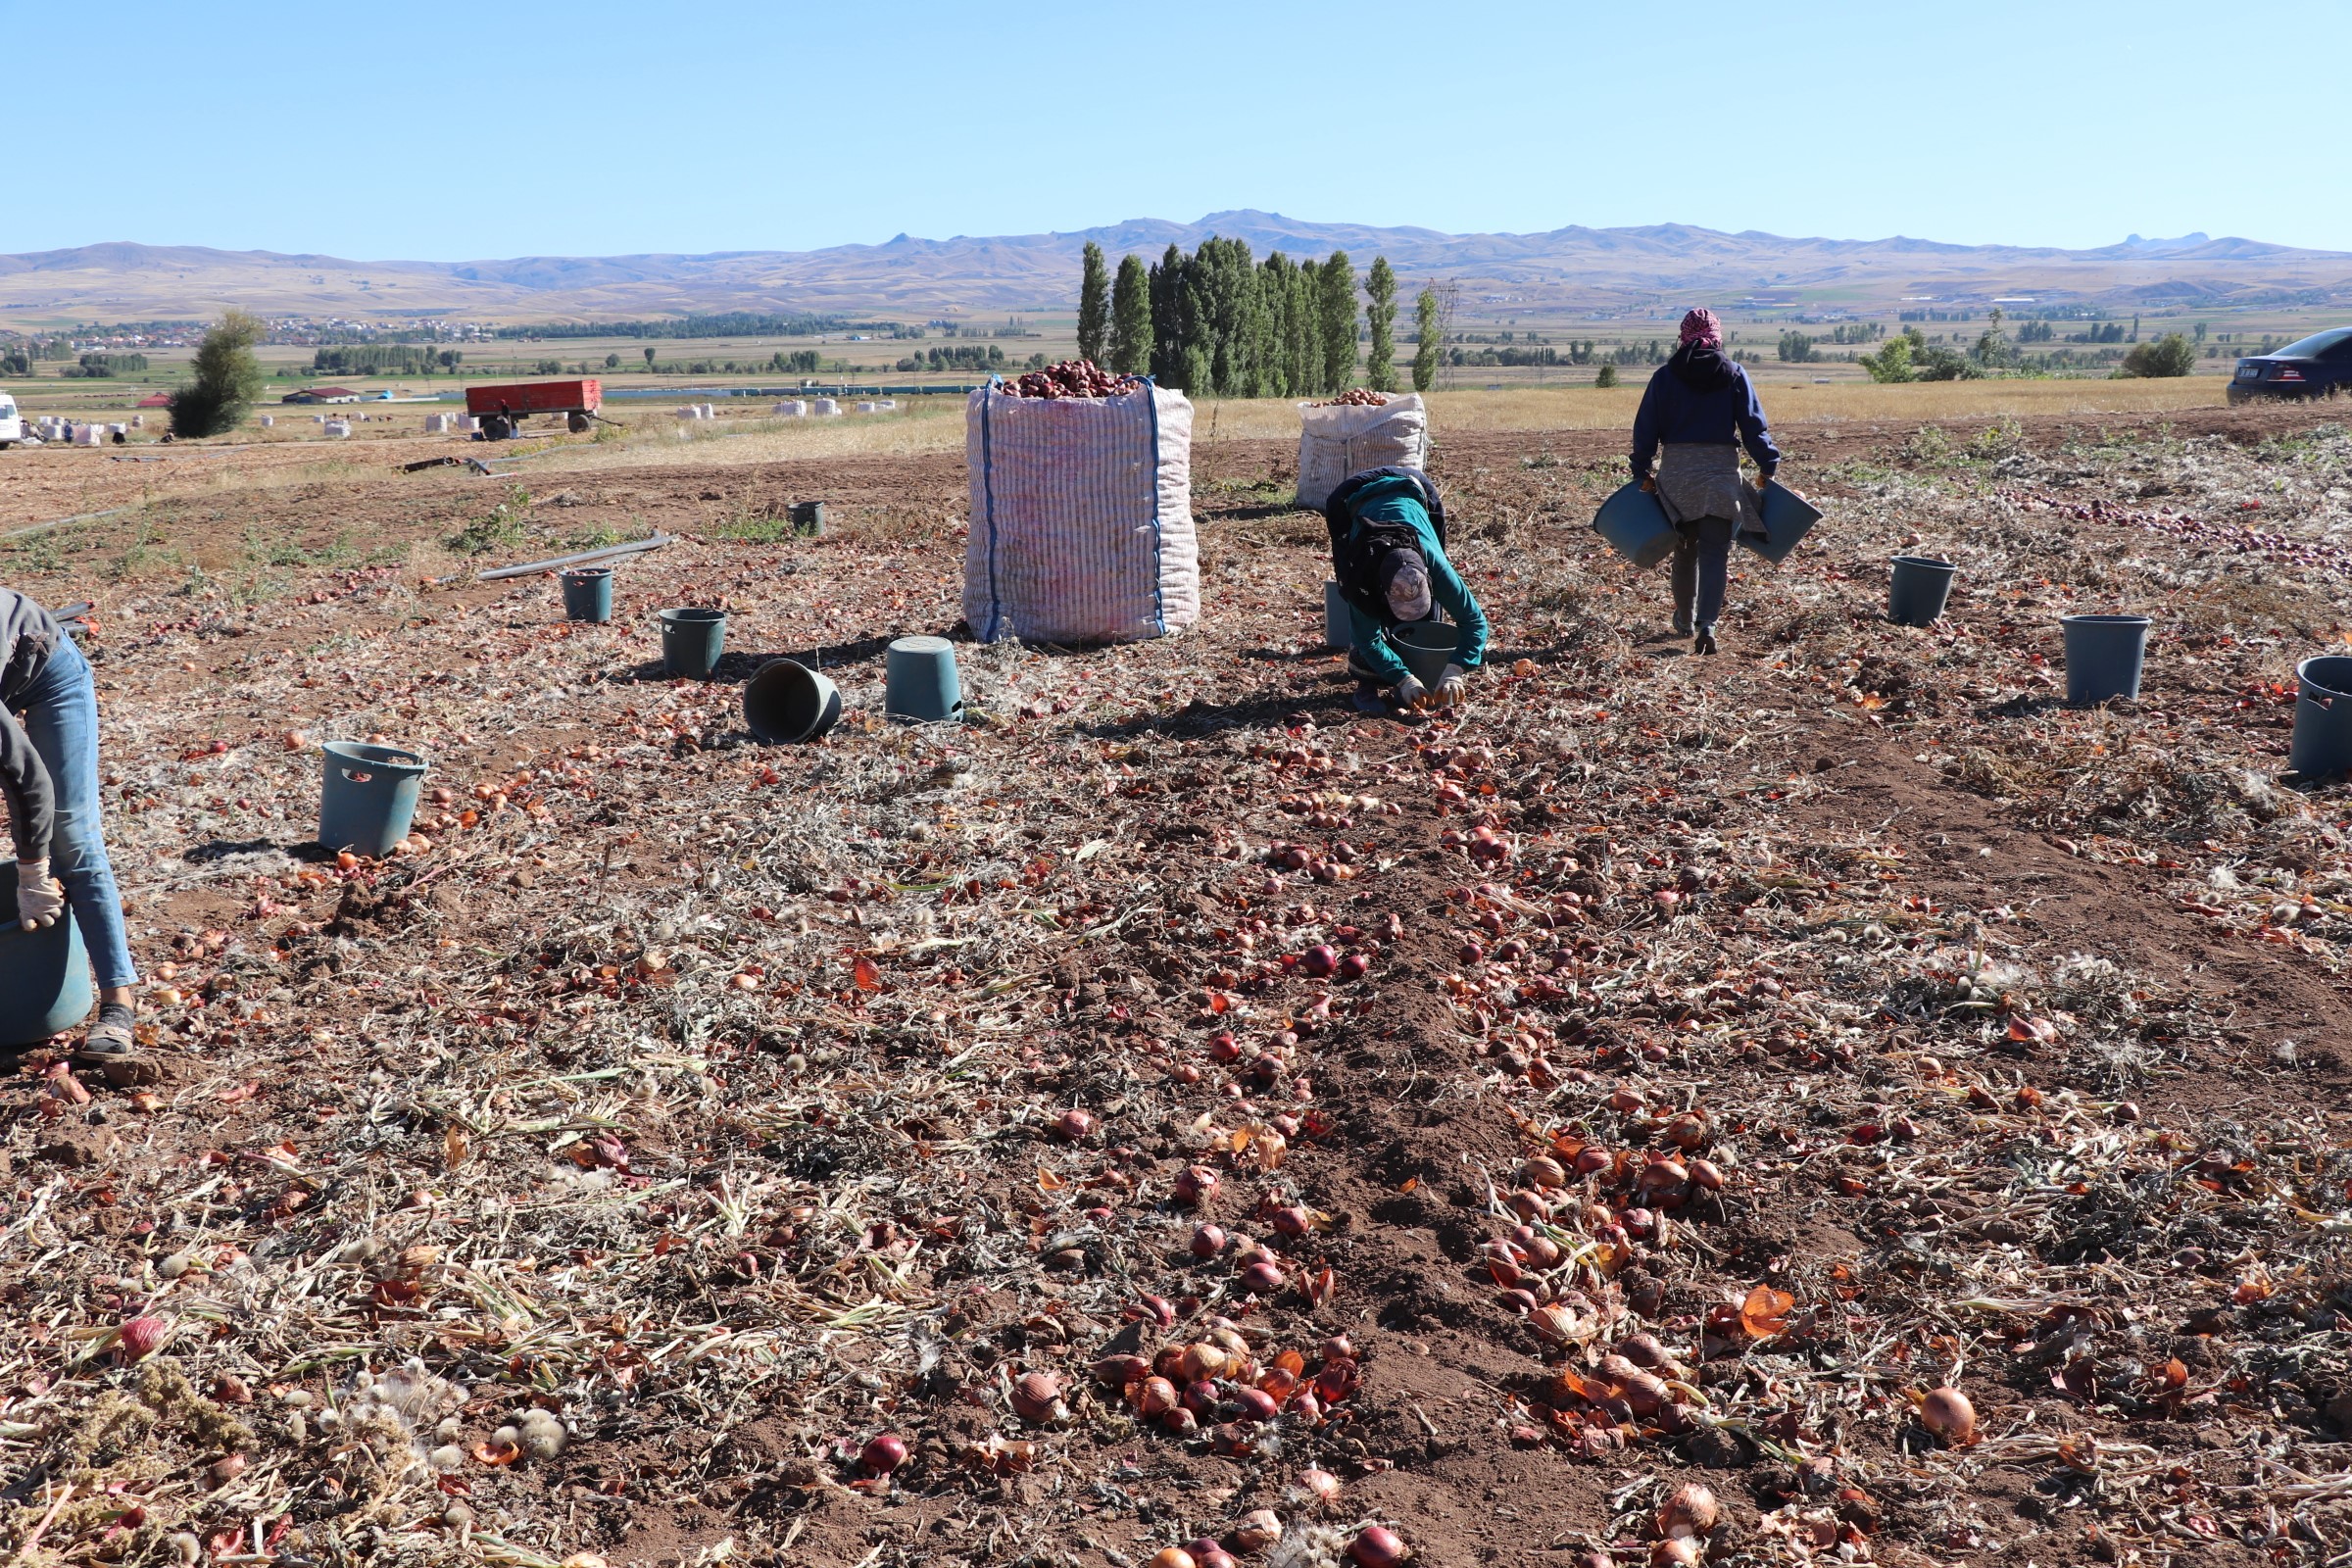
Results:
x,y
713,1098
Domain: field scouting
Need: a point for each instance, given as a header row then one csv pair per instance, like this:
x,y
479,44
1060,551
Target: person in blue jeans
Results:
x,y
1388,555
49,778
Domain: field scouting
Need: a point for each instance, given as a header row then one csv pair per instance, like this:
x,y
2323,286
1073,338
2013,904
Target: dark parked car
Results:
x,y
2313,368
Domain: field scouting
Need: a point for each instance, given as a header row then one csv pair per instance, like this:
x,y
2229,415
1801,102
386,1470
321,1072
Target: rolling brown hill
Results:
x,y
1587,269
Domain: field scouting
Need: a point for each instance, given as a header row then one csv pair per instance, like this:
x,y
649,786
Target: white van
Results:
x,y
12,426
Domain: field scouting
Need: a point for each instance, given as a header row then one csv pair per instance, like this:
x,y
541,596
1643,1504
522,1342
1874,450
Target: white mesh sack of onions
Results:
x,y
1082,513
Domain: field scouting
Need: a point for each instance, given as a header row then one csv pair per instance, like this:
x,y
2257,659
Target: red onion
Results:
x,y
1196,1184
1377,1547
1948,1414
140,1336
1262,1278
1208,1241
1321,1485
1688,1510
1173,1557
1293,1221
1117,1371
1256,1530
1156,1397
1074,1125
883,1454
1253,1405
1037,1397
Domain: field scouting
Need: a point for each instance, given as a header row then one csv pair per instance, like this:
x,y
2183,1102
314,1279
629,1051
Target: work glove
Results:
x,y
40,900
1454,686
1410,693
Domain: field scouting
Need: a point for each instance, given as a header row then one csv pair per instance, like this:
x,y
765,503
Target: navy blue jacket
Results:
x,y
1700,397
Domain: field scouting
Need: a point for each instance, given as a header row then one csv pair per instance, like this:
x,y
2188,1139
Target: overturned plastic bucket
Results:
x,y
919,681
1426,647
2104,654
45,983
2323,743
692,640
1917,589
588,593
1338,619
1788,519
807,518
1634,523
370,797
788,702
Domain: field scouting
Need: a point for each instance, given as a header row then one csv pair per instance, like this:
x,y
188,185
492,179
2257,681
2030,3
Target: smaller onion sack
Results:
x,y
1338,439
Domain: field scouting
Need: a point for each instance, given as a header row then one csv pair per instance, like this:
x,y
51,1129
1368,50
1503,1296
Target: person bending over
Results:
x,y
1387,554
49,776
1700,407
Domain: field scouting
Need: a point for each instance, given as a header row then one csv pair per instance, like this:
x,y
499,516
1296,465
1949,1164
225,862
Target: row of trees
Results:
x,y
384,359
1223,323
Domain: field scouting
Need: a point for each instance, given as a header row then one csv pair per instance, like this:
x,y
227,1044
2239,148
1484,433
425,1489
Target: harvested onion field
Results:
x,y
1748,1049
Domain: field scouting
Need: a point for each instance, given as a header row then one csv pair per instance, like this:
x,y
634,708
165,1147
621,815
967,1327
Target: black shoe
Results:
x,y
1368,699
1681,623
1704,641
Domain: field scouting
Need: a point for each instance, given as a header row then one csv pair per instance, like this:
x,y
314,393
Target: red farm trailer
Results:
x,y
503,408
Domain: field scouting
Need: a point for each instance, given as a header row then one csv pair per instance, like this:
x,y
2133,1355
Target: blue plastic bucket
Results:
x,y
370,797
692,640
787,702
588,593
919,681
45,985
1339,617
1788,519
1426,647
1917,589
2323,743
1634,523
2104,654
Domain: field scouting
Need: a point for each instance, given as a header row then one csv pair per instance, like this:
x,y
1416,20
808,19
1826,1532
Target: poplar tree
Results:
x,y
1171,310
1427,336
1380,365
1094,305
1335,300
1131,319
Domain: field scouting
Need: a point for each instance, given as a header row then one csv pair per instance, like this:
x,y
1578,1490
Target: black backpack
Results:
x,y
1358,548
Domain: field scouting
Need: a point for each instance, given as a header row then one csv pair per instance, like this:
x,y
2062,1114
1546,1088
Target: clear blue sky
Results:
x,y
442,129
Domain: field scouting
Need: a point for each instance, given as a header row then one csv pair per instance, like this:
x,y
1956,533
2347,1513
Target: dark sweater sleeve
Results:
x,y
1755,432
1645,428
32,798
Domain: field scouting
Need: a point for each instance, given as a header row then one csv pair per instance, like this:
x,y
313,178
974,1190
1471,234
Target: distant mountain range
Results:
x,y
1575,268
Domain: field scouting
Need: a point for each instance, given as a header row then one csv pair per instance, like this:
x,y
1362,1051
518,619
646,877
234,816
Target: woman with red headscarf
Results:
x,y
1701,409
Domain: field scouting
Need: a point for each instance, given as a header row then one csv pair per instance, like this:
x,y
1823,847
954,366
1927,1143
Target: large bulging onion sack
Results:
x,y
1336,440
1082,517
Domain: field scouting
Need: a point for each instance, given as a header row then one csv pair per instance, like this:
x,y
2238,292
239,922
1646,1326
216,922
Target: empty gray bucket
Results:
x,y
588,593
787,702
45,976
1339,617
691,640
1917,590
2103,657
2323,743
919,681
1426,647
807,518
1634,523
370,797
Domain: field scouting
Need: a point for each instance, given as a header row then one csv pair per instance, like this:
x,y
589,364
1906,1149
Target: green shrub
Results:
x,y
2169,355
228,380
1606,377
